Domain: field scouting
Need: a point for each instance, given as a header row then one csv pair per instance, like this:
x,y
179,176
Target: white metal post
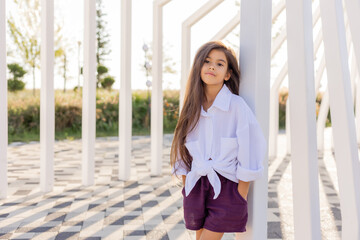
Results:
x,y
157,92
3,104
125,108
47,102
255,50
186,42
342,116
89,94
299,29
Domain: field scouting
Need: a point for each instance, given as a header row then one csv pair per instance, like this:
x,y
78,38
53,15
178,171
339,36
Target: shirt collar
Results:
x,y
222,100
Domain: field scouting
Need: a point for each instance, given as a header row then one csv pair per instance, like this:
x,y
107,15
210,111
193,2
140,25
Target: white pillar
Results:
x,y
186,43
47,102
3,104
353,13
299,29
342,116
125,108
157,91
89,94
280,39
255,50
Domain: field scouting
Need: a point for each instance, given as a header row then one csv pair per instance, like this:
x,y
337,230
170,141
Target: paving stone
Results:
x,y
144,207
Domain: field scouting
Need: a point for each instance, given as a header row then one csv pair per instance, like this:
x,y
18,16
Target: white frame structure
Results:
x,y
89,94
47,102
302,117
255,55
345,144
125,102
157,90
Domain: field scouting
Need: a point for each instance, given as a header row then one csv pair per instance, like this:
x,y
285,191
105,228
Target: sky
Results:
x,y
71,14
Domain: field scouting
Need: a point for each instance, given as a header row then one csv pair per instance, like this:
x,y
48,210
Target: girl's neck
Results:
x,y
211,92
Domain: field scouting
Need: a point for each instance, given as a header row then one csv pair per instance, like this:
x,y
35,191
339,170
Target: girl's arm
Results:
x,y
183,179
243,188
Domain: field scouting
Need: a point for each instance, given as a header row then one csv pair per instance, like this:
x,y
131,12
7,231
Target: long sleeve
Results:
x,y
252,147
180,168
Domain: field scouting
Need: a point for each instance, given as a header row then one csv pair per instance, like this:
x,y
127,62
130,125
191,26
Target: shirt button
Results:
x,y
210,159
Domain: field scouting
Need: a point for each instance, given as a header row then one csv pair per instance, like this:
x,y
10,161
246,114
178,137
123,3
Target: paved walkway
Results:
x,y
145,207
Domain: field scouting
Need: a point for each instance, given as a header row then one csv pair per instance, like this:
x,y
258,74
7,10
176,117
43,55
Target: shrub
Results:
x,y
15,83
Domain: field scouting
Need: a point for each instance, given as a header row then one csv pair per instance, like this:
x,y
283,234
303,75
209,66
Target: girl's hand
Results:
x,y
183,180
243,189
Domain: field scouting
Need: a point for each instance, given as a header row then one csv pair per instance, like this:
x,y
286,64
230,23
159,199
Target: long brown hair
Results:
x,y
194,97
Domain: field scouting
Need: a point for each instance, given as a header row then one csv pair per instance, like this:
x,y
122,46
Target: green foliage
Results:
x,y
15,83
101,70
25,33
24,113
102,36
107,82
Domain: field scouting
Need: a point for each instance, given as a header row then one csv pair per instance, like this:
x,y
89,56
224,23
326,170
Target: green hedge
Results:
x,y
24,113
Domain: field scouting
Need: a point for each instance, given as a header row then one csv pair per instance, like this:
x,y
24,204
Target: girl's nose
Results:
x,y
211,67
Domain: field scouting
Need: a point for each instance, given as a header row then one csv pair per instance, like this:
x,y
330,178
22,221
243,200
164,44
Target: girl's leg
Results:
x,y
210,235
198,233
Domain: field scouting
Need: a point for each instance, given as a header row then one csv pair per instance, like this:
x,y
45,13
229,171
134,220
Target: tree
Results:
x,y
62,47
15,83
25,33
102,37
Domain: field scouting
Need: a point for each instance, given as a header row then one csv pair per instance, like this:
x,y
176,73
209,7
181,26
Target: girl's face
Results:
x,y
215,68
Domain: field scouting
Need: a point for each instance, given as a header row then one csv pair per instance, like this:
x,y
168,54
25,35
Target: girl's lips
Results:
x,y
210,74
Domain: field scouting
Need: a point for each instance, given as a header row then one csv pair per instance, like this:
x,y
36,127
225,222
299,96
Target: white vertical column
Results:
x,y
342,116
125,103
353,13
157,91
303,121
47,102
89,94
255,49
3,104
186,42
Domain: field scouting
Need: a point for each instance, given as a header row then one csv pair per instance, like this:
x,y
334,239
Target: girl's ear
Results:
x,y
228,75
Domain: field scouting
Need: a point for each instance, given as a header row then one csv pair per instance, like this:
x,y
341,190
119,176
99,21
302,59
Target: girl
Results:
x,y
218,145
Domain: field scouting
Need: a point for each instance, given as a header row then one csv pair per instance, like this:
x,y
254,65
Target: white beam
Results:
x,y
274,122
342,116
157,91
353,13
3,103
255,50
278,9
186,42
47,102
125,106
302,117
227,28
89,94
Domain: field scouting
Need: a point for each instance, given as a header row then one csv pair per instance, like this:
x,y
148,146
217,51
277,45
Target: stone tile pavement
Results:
x,y
145,207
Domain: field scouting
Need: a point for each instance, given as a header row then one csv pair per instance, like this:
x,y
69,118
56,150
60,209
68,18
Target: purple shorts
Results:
x,y
227,213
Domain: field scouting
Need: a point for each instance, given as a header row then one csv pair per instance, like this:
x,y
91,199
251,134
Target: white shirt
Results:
x,y
228,134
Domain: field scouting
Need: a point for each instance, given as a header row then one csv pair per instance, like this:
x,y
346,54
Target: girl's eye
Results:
x,y
206,61
219,64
